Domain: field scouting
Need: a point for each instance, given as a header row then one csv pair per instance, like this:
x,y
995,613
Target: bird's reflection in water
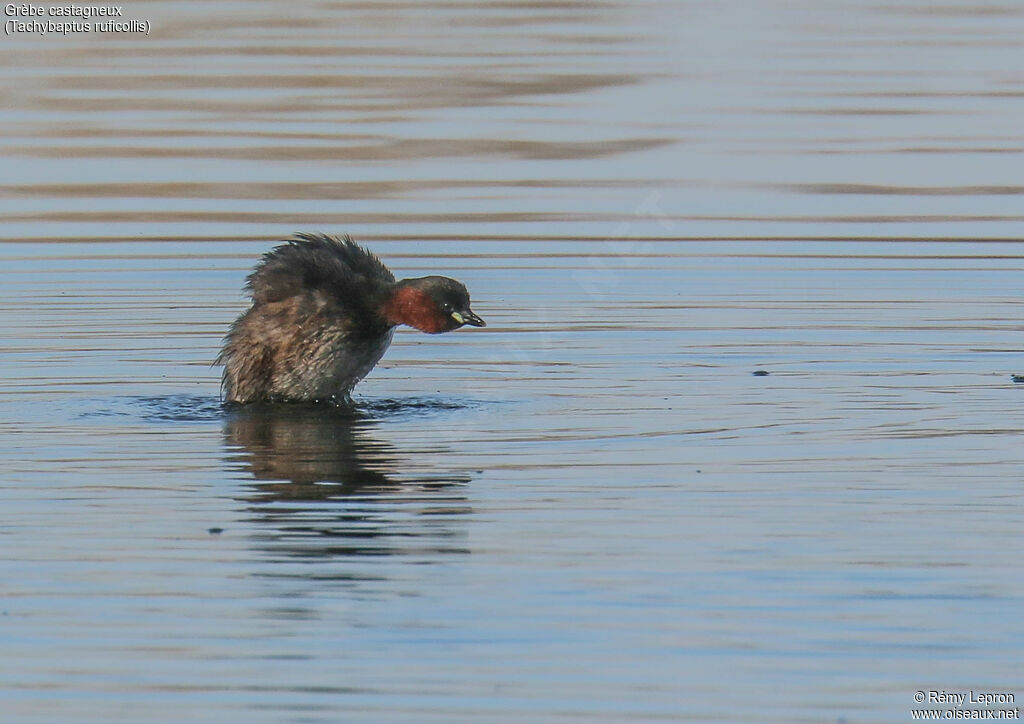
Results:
x,y
325,488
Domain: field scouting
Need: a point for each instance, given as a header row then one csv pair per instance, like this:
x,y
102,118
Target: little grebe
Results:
x,y
323,313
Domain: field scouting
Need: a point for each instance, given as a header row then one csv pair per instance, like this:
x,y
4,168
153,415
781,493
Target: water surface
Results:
x,y
593,509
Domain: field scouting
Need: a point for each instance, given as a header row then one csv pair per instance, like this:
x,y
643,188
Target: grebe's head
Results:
x,y
432,305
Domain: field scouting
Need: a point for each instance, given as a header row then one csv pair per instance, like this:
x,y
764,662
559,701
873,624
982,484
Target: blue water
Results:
x,y
593,509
